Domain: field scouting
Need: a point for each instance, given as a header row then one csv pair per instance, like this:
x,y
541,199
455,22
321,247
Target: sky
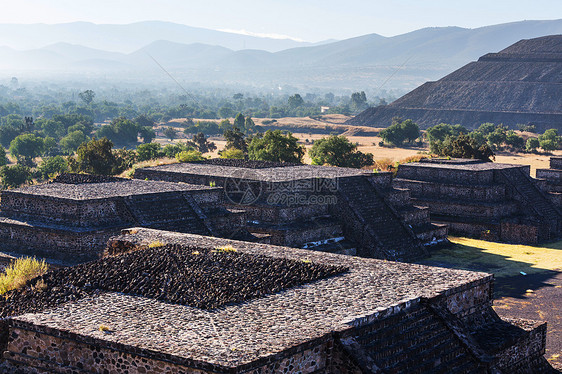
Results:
x,y
308,20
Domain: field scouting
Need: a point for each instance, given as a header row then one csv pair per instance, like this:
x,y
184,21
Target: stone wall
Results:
x,y
71,246
32,349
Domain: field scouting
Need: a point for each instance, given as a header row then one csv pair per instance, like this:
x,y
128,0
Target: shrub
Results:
x,y
148,151
232,153
52,166
189,156
171,150
339,151
14,176
19,272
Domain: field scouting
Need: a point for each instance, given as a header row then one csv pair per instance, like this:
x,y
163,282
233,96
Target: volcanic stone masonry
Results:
x,y
482,199
315,312
330,209
73,217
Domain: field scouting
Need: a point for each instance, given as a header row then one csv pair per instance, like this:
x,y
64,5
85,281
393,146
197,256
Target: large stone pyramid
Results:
x,y
521,84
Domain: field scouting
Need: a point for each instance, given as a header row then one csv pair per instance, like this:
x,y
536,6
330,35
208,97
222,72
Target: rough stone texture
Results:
x,y
301,329
72,217
295,204
482,199
552,181
520,84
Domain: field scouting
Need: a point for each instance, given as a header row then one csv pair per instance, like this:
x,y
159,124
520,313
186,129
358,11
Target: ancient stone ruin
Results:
x,y
73,217
167,302
550,181
338,210
518,85
482,199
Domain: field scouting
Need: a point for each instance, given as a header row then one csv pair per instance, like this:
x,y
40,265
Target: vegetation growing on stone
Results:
x,y
19,271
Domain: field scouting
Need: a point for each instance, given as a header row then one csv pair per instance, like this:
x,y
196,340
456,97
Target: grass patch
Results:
x,y
19,271
502,259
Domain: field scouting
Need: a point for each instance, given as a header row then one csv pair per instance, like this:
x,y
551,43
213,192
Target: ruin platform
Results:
x,y
74,215
488,200
359,316
302,204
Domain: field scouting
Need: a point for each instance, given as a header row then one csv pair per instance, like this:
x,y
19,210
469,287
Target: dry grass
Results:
x,y
19,271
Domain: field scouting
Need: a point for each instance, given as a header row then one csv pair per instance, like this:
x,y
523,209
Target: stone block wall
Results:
x,y
451,176
31,348
74,246
73,213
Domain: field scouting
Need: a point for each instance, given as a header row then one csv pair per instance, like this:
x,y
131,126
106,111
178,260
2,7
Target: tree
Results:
x,y
143,121
338,151
15,175
295,101
463,146
239,121
147,134
148,151
442,130
3,157
72,141
171,150
26,147
532,145
235,139
170,133
550,141
275,145
87,96
398,132
7,134
249,125
514,141
52,166
95,157
202,143
359,100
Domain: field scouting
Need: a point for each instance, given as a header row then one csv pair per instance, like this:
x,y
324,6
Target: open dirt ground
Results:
x,y
528,281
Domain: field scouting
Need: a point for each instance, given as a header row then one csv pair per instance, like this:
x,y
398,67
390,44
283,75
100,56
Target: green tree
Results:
x,y
463,146
87,96
70,143
236,139
202,143
7,134
359,100
295,101
147,134
275,145
3,158
14,176
550,141
249,125
442,130
514,141
26,148
339,151
399,132
148,151
171,150
53,166
240,121
94,157
532,145
170,133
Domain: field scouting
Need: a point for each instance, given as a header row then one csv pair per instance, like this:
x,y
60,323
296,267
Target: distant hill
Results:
x,y
369,62
522,84
130,37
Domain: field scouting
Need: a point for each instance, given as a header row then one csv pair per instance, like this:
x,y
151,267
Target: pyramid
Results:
x,y
521,84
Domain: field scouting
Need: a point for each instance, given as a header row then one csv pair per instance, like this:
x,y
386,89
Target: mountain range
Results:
x,y
191,54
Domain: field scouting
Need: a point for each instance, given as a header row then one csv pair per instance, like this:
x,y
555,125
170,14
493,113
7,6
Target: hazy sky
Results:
x,y
310,20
